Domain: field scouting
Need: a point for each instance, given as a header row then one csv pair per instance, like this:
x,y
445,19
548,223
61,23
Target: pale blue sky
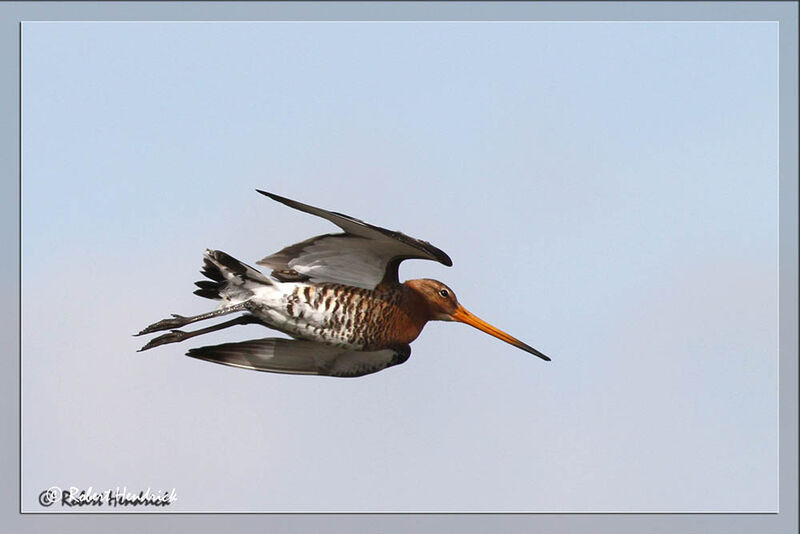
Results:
x,y
608,194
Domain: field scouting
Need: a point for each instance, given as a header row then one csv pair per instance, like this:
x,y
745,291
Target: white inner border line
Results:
x,y
451,21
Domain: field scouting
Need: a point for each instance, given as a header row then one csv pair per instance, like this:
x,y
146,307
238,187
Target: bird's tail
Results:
x,y
228,278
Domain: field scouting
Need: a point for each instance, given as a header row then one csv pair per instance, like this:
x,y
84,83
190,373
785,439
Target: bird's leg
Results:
x,y
178,335
178,320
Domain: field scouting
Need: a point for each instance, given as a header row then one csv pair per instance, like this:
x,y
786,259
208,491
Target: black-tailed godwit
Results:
x,y
337,295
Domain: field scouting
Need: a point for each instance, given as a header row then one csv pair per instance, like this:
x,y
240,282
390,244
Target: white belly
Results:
x,y
284,306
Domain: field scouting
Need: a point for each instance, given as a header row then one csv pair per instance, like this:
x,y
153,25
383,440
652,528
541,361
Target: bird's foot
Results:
x,y
165,324
163,339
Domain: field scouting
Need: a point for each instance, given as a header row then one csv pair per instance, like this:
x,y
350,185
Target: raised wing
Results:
x,y
363,256
299,357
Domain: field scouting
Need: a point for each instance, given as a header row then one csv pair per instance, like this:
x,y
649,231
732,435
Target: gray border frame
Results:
x,y
786,13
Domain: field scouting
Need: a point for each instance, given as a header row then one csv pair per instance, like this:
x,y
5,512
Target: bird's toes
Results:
x,y
165,324
163,339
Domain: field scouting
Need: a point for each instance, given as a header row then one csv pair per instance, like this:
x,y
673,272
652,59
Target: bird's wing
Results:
x,y
363,256
291,356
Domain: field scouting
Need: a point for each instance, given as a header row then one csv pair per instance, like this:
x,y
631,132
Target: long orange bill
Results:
x,y
463,316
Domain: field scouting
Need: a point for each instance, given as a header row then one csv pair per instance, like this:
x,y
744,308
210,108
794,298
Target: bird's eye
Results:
x,y
445,293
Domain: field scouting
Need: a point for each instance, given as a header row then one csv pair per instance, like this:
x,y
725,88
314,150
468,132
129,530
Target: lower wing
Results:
x,y
291,356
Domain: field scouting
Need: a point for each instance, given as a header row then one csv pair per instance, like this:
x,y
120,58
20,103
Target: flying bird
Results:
x,y
337,295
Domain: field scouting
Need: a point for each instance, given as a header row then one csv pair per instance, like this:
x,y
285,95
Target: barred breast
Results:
x,y
345,316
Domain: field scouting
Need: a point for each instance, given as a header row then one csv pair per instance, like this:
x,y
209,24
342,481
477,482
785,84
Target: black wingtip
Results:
x,y
288,202
273,196
440,255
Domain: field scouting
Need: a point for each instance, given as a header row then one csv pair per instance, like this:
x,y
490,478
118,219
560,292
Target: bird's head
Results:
x,y
443,305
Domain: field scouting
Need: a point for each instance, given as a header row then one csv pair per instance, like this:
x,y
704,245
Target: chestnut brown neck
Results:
x,y
416,302
414,312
